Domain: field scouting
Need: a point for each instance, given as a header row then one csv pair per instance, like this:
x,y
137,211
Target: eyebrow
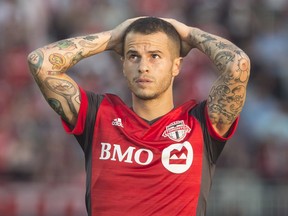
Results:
x,y
131,52
155,51
136,52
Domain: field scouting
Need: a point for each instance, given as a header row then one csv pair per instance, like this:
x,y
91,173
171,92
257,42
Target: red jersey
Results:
x,y
136,168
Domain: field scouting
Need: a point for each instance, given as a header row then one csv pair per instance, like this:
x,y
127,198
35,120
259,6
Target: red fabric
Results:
x,y
138,169
80,123
214,134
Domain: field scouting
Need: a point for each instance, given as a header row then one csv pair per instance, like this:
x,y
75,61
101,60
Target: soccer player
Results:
x,y
151,158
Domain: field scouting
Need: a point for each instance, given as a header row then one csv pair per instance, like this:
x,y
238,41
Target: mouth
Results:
x,y
143,80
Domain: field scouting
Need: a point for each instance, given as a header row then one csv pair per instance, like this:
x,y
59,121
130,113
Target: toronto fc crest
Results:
x,y
176,131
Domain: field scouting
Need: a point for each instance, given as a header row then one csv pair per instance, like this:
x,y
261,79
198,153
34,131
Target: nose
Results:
x,y
143,66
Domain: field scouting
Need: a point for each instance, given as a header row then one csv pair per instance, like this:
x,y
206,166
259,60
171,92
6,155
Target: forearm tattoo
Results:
x,y
49,64
58,61
66,45
227,96
222,59
68,52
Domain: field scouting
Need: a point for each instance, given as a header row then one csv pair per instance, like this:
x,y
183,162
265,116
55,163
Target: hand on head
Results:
x,y
116,42
184,32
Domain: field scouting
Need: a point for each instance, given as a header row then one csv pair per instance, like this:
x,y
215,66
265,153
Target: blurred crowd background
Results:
x,y
42,169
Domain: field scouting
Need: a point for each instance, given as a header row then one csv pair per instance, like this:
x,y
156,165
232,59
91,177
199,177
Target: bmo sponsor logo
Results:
x,y
131,155
176,158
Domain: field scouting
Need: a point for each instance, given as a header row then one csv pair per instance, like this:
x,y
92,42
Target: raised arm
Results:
x,y
49,65
228,93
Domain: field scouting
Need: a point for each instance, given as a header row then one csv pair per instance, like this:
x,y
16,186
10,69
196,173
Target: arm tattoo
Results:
x,y
56,105
222,59
205,43
227,95
76,58
222,45
91,37
66,45
66,53
51,73
223,100
243,70
57,60
77,99
35,61
207,38
63,88
87,44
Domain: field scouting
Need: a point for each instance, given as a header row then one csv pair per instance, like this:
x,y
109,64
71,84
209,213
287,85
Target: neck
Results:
x,y
152,109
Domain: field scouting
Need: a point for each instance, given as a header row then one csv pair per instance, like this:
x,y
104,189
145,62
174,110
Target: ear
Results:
x,y
177,66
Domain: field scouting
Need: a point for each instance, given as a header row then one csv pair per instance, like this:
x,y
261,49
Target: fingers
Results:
x,y
127,22
118,33
116,41
184,31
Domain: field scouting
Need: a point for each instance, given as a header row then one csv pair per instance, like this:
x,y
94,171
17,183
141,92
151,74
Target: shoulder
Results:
x,y
198,111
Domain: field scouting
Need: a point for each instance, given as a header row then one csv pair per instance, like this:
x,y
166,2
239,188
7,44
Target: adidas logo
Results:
x,y
117,122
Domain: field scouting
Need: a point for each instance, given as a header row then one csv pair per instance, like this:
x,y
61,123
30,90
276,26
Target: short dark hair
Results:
x,y
150,25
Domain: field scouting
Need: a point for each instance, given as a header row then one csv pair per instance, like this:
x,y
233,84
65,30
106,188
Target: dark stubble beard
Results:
x,y
154,95
147,97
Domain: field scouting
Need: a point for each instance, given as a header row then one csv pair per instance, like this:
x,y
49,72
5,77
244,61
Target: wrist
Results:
x,y
114,42
111,42
193,36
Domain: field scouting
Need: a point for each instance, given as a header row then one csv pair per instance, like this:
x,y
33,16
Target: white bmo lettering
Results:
x,y
131,155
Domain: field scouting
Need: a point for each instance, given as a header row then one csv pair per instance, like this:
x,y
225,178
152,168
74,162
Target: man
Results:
x,y
152,158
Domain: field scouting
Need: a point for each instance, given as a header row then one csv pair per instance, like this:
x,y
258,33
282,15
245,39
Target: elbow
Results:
x,y
241,68
244,67
245,61
35,61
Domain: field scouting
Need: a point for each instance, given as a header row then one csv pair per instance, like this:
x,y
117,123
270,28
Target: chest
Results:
x,y
171,145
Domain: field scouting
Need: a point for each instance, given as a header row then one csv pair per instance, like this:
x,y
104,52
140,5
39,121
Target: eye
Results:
x,y
155,56
133,57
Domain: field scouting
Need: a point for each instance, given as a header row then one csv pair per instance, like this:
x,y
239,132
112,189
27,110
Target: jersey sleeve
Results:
x,y
84,127
214,143
214,134
81,119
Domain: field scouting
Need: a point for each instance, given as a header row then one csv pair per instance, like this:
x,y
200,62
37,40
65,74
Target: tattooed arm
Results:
x,y
228,93
49,65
